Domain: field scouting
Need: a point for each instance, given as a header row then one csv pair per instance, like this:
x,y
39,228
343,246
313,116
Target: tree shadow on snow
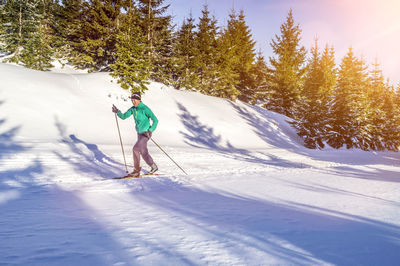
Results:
x,y
38,223
370,173
87,157
269,127
8,145
46,225
42,224
290,232
327,190
202,136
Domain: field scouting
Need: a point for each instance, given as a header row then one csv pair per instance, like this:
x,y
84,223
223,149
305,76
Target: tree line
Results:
x,y
350,105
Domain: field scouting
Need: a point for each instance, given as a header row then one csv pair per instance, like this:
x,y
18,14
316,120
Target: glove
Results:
x,y
147,134
115,109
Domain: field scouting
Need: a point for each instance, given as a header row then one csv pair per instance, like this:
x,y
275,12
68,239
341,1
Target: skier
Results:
x,y
142,115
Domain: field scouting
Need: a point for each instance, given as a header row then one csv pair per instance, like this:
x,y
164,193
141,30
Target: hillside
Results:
x,y
254,195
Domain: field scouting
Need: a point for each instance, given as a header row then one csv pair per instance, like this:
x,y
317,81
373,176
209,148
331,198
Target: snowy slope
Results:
x,y
253,195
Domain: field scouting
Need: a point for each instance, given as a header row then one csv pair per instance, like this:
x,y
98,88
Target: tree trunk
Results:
x,y
19,45
149,29
20,24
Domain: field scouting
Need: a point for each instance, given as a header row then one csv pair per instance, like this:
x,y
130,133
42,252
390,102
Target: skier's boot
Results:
x,y
135,173
153,169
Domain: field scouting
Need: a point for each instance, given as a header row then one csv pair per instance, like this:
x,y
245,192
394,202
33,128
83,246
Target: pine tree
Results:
x,y
313,77
20,20
391,127
287,70
236,56
132,64
159,38
348,124
95,44
307,123
184,54
259,80
226,55
38,52
329,72
376,117
27,33
313,111
206,56
2,21
383,114
69,16
245,54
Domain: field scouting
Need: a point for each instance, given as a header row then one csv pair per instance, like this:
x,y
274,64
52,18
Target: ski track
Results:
x,y
176,219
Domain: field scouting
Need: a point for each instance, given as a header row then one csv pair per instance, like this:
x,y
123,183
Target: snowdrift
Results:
x,y
38,103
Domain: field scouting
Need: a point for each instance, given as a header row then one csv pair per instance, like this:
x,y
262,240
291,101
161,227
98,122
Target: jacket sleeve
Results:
x,y
126,114
153,118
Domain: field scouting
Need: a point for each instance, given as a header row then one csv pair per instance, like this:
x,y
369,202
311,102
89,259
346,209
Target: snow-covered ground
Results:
x,y
253,196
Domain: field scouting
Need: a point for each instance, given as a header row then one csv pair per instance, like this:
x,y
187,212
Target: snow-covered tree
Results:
x,y
348,114
20,21
312,115
383,114
39,50
27,33
390,130
2,21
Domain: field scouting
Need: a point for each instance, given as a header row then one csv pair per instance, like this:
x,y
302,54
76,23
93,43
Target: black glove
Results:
x,y
115,109
147,134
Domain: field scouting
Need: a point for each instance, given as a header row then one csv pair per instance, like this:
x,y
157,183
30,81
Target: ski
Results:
x,y
140,176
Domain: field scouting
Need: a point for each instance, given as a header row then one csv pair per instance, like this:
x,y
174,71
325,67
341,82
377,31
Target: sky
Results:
x,y
371,27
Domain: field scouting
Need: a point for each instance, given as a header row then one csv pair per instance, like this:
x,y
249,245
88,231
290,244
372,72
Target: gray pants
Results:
x,y
140,148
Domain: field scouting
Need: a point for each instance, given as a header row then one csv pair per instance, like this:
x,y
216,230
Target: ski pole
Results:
x,y
120,140
167,155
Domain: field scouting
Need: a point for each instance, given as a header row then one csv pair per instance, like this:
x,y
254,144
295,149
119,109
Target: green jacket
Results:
x,y
141,114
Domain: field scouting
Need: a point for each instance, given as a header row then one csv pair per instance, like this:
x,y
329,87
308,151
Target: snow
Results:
x,y
254,195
